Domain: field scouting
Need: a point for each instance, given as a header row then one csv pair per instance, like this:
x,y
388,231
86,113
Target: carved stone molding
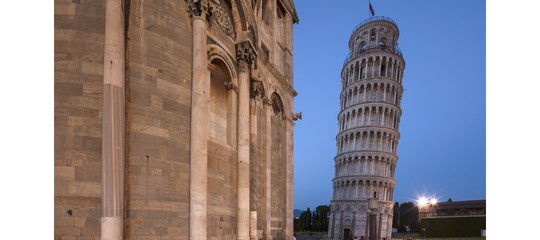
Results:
x,y
221,14
199,8
232,86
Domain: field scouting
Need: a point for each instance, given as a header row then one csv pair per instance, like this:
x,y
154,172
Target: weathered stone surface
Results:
x,y
158,120
78,50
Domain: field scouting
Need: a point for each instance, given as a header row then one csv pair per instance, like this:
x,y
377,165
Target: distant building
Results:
x,y
453,219
368,135
458,208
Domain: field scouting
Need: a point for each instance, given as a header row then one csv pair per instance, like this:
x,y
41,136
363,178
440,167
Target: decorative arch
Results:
x,y
245,17
274,88
215,52
221,102
277,104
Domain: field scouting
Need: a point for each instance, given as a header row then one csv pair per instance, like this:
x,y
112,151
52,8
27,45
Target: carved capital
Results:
x,y
245,53
199,8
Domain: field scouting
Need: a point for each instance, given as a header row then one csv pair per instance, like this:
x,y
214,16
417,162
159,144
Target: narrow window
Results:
x,y
363,48
277,105
382,45
265,14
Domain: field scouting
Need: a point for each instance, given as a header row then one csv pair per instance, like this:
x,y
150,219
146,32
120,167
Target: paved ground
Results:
x,y
311,236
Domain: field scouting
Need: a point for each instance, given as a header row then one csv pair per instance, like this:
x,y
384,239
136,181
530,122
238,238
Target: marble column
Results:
x,y
373,230
268,156
379,231
244,56
353,225
200,96
113,123
389,226
256,93
253,225
331,218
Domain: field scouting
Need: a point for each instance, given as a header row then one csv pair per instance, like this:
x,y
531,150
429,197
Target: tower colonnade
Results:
x,y
368,133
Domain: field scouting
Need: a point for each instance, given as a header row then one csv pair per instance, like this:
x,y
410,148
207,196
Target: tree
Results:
x,y
321,220
308,220
408,216
395,219
315,221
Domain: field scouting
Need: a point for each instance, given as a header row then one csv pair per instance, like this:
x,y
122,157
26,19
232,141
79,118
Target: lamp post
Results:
x,y
426,204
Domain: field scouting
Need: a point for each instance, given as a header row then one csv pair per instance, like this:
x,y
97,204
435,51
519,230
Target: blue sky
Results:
x,y
442,150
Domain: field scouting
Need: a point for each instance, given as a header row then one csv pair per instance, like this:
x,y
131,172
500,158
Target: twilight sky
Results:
x,y
442,150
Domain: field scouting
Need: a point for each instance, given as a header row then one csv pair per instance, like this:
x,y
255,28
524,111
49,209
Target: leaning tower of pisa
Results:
x,y
368,134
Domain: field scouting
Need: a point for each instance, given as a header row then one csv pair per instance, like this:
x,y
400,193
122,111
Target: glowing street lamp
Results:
x,y
422,201
426,203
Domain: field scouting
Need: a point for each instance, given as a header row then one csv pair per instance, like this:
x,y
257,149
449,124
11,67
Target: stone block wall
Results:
x,y
78,79
158,99
158,85
278,178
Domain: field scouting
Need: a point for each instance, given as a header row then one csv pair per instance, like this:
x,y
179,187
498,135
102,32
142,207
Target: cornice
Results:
x,y
364,178
372,80
369,128
364,153
375,23
278,76
368,104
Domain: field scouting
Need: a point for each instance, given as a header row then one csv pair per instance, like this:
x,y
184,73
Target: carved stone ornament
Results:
x,y
199,8
267,101
221,15
245,52
296,116
256,88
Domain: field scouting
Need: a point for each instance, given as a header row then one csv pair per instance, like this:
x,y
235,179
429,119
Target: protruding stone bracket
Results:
x,y
297,116
267,101
199,8
256,88
232,86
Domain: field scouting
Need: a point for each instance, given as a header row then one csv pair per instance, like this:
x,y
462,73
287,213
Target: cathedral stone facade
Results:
x,y
173,119
368,133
